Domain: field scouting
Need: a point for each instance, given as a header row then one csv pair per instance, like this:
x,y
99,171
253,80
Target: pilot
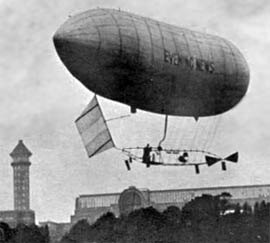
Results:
x,y
146,155
183,158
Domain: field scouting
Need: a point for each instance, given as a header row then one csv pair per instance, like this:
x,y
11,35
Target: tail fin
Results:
x,y
211,160
232,158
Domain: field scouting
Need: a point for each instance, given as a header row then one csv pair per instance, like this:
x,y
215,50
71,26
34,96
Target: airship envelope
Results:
x,y
151,65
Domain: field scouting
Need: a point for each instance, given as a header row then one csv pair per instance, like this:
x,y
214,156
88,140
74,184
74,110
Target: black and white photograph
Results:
x,y
135,121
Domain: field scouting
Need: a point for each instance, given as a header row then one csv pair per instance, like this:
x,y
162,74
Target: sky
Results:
x,y
40,100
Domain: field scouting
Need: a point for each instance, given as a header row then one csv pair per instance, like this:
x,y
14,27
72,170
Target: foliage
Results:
x,y
6,233
27,234
211,219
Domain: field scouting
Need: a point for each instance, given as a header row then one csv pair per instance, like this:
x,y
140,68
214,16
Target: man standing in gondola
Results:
x,y
146,155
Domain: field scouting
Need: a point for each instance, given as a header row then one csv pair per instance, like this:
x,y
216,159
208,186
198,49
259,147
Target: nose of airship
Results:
x,y
76,43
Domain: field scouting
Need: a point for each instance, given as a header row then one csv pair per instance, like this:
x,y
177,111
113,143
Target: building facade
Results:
x,y
91,207
21,213
15,217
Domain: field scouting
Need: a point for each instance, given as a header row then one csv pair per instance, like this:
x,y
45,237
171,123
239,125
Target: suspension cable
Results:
x,y
165,131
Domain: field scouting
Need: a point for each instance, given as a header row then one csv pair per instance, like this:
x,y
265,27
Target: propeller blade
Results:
x,y
232,158
211,160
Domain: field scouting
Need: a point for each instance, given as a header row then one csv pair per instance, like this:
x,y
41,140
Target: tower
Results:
x,y
21,164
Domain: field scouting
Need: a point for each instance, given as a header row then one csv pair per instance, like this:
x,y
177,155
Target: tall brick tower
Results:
x,y
21,164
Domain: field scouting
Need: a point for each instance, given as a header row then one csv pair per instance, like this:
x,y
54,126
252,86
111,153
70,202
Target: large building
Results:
x,y
22,214
91,207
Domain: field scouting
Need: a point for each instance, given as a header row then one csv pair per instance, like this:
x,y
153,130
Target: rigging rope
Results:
x,y
117,118
217,123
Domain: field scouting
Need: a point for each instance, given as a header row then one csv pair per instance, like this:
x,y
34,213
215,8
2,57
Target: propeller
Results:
x,y
210,160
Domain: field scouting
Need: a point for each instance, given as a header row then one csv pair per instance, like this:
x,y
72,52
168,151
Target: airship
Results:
x,y
151,65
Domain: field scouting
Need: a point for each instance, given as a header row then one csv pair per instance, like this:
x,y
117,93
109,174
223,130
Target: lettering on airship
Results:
x,y
191,62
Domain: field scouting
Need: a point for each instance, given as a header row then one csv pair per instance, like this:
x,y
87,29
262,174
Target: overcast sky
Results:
x,y
39,101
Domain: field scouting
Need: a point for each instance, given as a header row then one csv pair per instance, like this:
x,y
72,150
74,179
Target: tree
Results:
x,y
6,232
201,208
203,215
172,214
45,232
256,209
104,228
224,204
28,234
80,232
247,210
237,209
144,225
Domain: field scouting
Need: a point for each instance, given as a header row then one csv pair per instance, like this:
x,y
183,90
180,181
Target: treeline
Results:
x,y
209,219
23,234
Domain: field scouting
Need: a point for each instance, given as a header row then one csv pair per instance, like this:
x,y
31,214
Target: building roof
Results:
x,y
175,195
179,190
20,150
